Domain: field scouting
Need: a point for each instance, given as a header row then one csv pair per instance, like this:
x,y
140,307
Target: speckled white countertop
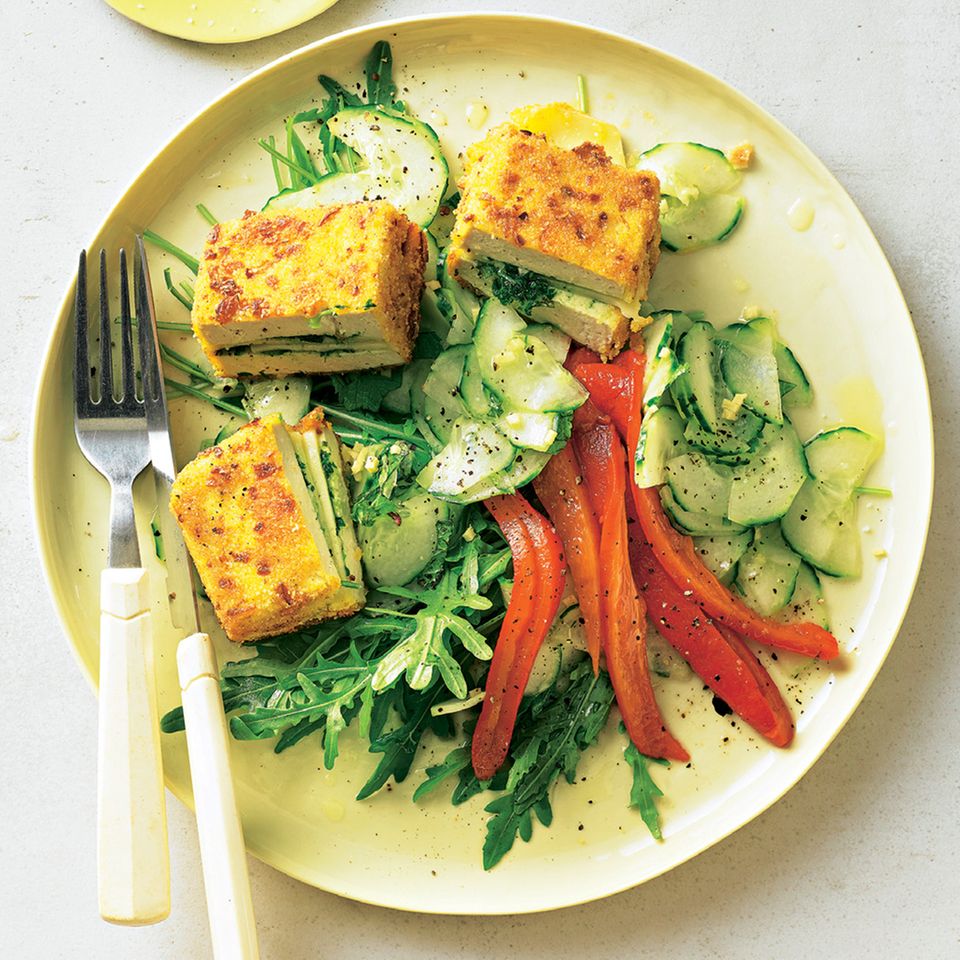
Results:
x,y
862,859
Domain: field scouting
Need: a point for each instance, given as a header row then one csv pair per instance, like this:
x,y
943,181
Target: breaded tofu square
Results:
x,y
571,215
319,290
250,524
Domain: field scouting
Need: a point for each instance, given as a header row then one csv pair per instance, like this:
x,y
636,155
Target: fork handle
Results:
x,y
132,860
229,904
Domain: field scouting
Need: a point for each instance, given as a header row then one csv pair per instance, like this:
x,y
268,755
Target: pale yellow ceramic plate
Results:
x,y
220,21
837,304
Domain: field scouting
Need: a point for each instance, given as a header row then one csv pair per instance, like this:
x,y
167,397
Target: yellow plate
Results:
x,y
838,306
220,21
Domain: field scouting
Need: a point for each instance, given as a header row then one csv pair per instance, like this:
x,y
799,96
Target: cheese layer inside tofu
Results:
x,y
316,286
567,214
263,552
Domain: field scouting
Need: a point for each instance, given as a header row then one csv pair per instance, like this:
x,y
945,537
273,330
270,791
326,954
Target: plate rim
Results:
x,y
318,7
282,863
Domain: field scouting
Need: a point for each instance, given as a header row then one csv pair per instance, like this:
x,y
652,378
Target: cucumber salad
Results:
x,y
527,511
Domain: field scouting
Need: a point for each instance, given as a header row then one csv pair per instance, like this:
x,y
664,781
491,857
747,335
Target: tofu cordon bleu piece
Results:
x,y
266,517
320,290
588,226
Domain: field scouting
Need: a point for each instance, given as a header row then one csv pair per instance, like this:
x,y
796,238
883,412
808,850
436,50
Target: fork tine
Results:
x,y
81,364
149,361
127,368
106,361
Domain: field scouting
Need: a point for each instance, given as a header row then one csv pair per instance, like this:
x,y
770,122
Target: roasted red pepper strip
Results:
x,y
539,573
677,556
717,655
617,389
561,490
601,457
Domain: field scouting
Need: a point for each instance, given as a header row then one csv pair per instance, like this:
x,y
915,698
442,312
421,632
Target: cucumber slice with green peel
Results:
x,y
555,340
734,442
290,397
767,572
404,164
430,274
473,454
763,489
394,553
695,524
472,390
698,485
808,604
822,528
527,376
722,553
661,439
462,305
440,417
689,170
749,367
696,390
531,431
443,381
795,388
526,466
496,324
662,365
700,223
841,458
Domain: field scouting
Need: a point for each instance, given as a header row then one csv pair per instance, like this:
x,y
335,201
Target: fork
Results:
x,y
111,426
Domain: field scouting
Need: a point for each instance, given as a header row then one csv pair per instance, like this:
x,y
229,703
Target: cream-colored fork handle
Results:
x,y
229,905
133,865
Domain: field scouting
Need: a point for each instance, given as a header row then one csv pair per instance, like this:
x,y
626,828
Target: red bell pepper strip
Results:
x,y
539,575
717,655
601,457
561,490
677,556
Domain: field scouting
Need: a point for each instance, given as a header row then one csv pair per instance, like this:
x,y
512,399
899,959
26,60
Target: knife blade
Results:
x,y
181,593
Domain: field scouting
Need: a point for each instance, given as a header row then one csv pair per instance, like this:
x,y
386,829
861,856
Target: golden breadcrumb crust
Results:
x,y
573,205
249,538
357,258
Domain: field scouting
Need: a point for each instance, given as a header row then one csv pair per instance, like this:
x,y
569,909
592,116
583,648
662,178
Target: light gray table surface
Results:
x,y
861,859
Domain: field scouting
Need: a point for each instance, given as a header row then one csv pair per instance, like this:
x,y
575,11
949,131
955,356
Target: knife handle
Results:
x,y
233,929
133,866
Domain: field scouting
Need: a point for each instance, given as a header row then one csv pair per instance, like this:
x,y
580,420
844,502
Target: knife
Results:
x,y
222,851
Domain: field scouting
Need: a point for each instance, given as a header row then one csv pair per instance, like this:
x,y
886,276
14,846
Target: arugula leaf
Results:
x,y
552,730
381,90
455,761
515,287
644,792
384,471
365,390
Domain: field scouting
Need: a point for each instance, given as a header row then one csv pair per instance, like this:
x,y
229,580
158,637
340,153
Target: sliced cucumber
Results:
x,y
441,416
662,365
496,324
472,390
821,524
525,467
734,442
698,485
395,552
763,489
461,305
433,259
696,391
404,164
767,572
689,170
749,367
793,381
555,340
695,180
290,397
661,439
398,400
700,223
840,458
527,376
721,554
443,380
533,431
807,603
474,453
695,524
